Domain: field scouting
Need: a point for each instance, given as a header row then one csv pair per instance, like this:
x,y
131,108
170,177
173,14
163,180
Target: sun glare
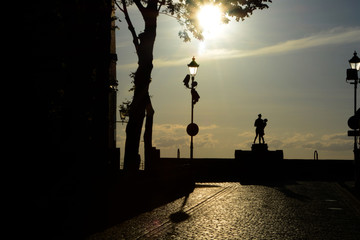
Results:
x,y
209,18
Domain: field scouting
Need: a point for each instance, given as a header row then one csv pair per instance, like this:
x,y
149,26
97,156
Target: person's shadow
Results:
x,y
180,215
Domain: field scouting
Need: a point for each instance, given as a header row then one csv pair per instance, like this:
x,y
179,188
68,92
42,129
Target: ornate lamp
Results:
x,y
193,67
355,62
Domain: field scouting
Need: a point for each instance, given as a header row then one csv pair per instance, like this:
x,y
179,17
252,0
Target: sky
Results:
x,y
287,62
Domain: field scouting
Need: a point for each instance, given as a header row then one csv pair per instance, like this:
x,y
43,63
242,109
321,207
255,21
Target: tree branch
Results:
x,y
139,5
161,3
118,6
172,16
130,25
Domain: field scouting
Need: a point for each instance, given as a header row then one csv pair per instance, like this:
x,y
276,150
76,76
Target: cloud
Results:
x,y
336,142
175,136
331,142
277,144
173,142
169,128
335,136
247,134
333,147
172,128
334,36
170,142
338,35
169,135
210,127
205,140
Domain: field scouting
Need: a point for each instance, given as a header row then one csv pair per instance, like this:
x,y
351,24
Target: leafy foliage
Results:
x,y
185,11
125,107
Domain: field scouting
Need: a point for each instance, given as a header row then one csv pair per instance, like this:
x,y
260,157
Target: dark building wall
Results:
x,y
113,89
68,120
71,52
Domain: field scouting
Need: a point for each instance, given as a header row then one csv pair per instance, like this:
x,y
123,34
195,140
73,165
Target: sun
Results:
x,y
209,17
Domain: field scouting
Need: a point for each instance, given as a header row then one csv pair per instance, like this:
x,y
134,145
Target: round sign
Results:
x,y
192,129
354,122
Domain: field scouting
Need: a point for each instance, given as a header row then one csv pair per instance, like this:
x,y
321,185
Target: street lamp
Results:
x,y
192,129
352,75
355,62
123,114
352,78
124,110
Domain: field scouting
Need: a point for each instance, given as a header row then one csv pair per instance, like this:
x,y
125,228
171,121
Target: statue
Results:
x,y
260,125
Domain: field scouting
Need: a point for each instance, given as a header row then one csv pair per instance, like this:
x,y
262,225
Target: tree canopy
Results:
x,y
185,11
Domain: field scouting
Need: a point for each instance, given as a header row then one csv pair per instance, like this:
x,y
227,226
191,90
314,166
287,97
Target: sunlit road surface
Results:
x,y
297,210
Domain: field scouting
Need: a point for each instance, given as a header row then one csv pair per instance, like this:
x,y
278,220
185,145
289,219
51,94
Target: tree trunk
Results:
x,y
141,98
148,135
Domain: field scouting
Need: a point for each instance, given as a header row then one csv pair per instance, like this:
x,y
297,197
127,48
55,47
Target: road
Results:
x,y
231,210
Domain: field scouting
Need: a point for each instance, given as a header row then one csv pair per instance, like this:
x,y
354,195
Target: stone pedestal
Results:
x,y
259,163
259,147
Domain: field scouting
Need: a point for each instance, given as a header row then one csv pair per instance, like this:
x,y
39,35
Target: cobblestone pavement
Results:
x,y
298,210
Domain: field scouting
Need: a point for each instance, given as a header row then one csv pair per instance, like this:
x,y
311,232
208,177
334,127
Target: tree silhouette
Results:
x,y
185,12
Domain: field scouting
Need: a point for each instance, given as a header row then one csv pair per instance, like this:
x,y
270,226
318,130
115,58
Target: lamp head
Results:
x,y
123,114
193,66
355,62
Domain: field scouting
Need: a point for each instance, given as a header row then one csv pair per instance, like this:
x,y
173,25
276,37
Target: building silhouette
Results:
x,y
71,111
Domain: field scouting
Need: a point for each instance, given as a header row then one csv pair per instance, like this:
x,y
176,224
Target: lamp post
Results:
x,y
352,74
123,114
353,78
192,129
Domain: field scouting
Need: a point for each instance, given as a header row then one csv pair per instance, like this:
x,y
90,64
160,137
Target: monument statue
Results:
x,y
260,125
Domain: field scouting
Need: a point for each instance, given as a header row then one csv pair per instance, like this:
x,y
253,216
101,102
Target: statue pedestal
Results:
x,y
259,163
259,147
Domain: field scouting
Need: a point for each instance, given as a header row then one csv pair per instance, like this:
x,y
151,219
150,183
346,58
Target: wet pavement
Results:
x,y
233,210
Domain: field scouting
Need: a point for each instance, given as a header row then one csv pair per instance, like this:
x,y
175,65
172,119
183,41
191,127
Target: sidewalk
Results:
x,y
76,209
288,210
350,187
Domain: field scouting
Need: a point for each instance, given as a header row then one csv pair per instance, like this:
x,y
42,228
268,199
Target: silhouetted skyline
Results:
x,y
288,62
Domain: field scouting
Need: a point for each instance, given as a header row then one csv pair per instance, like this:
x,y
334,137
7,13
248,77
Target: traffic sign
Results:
x,y
354,122
192,129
